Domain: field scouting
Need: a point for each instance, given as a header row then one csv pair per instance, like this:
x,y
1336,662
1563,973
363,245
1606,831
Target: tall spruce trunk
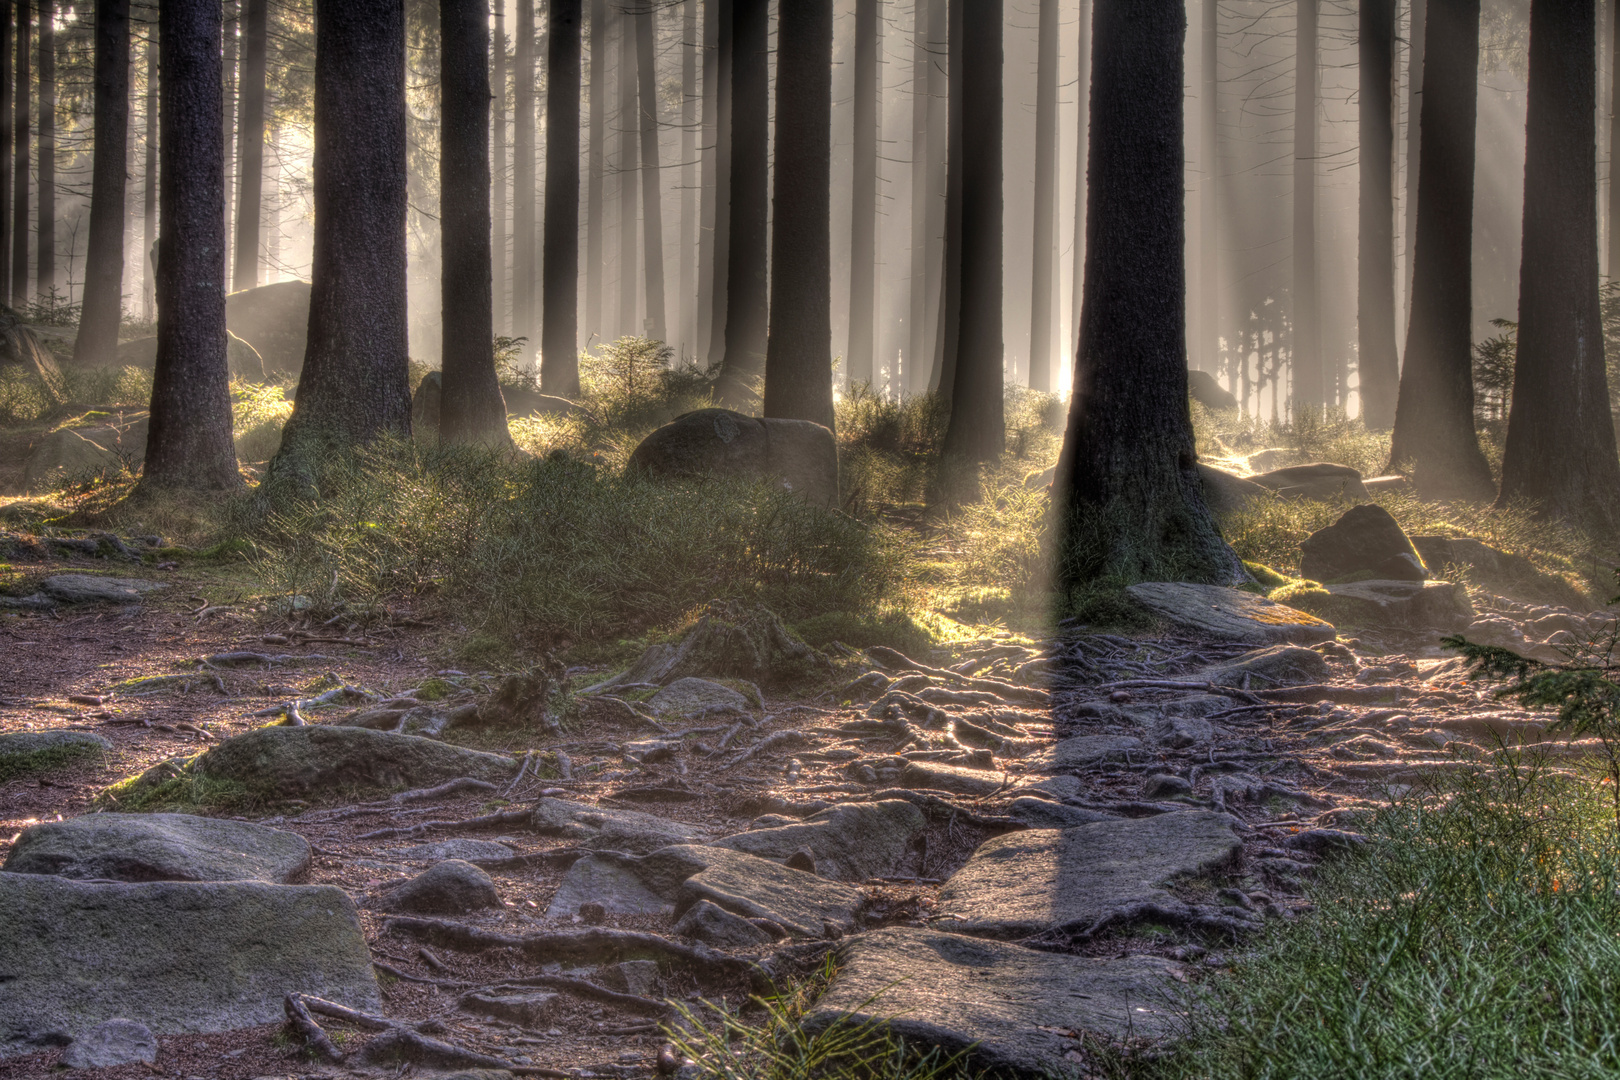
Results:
x,y
1205,355
708,222
1434,433
725,62
976,431
1560,451
19,207
652,195
355,385
500,180
1375,276
1081,177
6,127
471,409
746,299
686,319
188,443
227,127
596,159
149,189
523,165
627,124
798,360
863,196
250,144
949,322
45,245
1131,499
1043,361
928,368
103,307
1417,29
559,352
1614,140
917,309
1309,374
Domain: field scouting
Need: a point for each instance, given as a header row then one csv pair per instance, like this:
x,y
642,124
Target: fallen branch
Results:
x,y
248,659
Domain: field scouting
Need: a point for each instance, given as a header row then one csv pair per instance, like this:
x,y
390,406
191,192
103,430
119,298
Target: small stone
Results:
x,y
452,887
713,925
697,697
1164,786
114,1042
637,976
605,828
1180,732
527,1008
801,860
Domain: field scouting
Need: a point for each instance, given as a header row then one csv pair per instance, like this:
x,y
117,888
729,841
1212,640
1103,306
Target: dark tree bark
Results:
x,y
1434,417
559,368
928,368
917,310
250,143
1132,500
1206,354
977,429
471,409
798,360
45,246
97,343
1309,374
1375,275
1043,361
688,285
149,196
725,55
19,207
355,385
948,324
500,281
652,196
628,126
708,223
595,225
188,445
1416,32
746,299
1560,452
523,163
1614,140
1081,178
6,126
227,126
863,195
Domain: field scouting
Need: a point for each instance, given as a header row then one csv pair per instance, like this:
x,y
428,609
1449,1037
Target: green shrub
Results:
x,y
258,413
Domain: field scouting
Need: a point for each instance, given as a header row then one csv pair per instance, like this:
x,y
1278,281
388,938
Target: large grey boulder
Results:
x,y
19,743
850,842
1320,480
1227,492
107,1045
178,957
697,697
1402,605
1081,751
451,887
274,319
622,886
1280,665
1051,879
72,453
1501,572
1013,1011
159,847
1221,614
802,904
241,359
797,455
1365,541
716,926
605,828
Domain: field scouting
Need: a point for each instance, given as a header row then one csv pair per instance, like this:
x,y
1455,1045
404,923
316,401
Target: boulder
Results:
x,y
73,453
849,842
452,887
1221,614
697,697
1226,492
796,455
932,776
95,589
604,828
1205,389
1083,750
1365,541
458,847
425,405
63,744
1045,814
178,957
241,358
1280,665
622,886
1401,605
274,319
526,1008
1504,574
21,346
1320,481
1046,880
1010,1011
159,847
803,904
110,1044
713,925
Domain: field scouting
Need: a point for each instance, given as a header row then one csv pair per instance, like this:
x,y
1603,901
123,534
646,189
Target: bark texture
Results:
x,y
1434,433
1082,179
1132,502
1205,354
189,442
627,125
798,362
917,352
22,121
652,197
355,383
596,150
500,180
45,245
6,127
708,222
471,409
746,299
948,322
1560,452
725,64
1308,373
97,343
250,144
1375,276
687,285
559,368
149,190
863,195
1043,365
523,159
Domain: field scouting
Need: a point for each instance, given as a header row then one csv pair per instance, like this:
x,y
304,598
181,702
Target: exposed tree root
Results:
x,y
396,1043
635,1003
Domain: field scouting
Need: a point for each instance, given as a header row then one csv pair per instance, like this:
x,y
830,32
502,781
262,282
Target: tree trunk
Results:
x,y
188,444
1133,502
19,216
97,343
917,310
1375,276
688,285
725,54
45,246
1417,29
149,198
1082,180
355,385
652,196
500,280
250,144
627,121
1309,375
596,225
559,370
746,300
1560,452
6,126
471,409
949,321
523,164
798,361
927,369
863,196
1434,417
227,127
709,250
1614,141
1205,355
976,431
1043,365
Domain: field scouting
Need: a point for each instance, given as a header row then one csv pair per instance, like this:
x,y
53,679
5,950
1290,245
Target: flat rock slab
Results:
x,y
311,760
802,904
696,697
604,828
1046,814
1085,750
619,885
930,776
117,1042
159,847
851,842
1013,1010
94,589
1049,879
1403,605
458,847
1219,614
179,957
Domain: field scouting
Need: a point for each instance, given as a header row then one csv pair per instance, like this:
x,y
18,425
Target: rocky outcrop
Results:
x,y
274,319
852,842
1321,481
1365,541
74,453
797,455
159,847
